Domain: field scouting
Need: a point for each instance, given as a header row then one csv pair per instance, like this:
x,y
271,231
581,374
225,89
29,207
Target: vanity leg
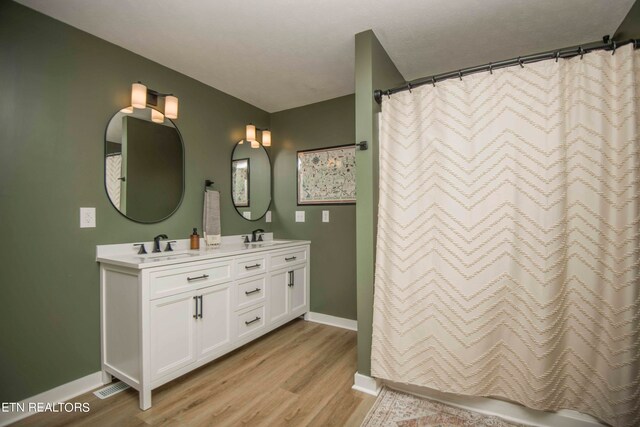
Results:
x,y
145,399
106,377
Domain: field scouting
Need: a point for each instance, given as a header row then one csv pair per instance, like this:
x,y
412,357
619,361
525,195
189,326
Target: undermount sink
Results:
x,y
266,243
167,255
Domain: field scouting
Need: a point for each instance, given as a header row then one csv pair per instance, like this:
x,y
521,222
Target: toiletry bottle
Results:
x,y
195,239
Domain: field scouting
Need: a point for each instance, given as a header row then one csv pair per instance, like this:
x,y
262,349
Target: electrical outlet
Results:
x,y
267,217
87,217
325,216
299,216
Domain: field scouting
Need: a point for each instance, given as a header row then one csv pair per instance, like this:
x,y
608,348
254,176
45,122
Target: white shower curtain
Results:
x,y
508,236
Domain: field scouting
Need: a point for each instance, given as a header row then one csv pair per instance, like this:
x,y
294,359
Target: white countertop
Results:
x,y
125,255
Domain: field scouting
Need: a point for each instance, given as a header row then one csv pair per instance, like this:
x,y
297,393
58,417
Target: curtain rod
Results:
x,y
606,44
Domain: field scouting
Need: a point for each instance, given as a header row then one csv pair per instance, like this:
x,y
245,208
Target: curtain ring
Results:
x,y
520,62
433,81
581,52
490,68
557,55
460,74
388,94
409,87
614,48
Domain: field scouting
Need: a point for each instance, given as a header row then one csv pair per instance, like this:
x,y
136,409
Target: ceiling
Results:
x,y
279,54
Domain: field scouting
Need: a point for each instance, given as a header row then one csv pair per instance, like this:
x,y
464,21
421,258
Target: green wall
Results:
x,y
333,245
374,70
60,87
630,26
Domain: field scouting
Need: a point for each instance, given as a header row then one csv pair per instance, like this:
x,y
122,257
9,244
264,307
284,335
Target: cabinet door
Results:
x,y
278,295
298,290
214,322
172,333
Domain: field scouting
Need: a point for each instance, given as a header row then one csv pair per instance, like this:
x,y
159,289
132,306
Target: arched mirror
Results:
x,y
250,180
144,165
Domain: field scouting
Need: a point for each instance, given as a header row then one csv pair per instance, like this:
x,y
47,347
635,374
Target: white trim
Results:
x,y
55,395
366,384
326,319
506,410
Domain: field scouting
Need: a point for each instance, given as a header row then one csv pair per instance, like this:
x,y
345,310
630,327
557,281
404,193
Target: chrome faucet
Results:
x,y
156,242
253,235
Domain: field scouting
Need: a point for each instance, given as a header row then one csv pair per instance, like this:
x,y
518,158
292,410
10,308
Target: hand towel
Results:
x,y
211,218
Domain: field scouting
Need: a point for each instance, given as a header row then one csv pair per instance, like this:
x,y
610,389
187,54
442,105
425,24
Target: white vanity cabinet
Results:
x,y
164,316
288,292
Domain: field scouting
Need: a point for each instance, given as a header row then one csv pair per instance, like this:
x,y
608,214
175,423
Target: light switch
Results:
x,y
87,217
267,217
247,214
325,216
299,216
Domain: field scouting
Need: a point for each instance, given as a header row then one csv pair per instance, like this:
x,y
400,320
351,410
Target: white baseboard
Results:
x,y
366,384
55,395
506,410
326,319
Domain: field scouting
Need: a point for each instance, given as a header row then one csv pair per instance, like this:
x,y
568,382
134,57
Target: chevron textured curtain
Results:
x,y
508,236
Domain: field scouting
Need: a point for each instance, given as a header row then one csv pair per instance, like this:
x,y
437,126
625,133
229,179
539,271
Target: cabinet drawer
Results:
x,y
289,257
176,280
250,321
251,291
250,266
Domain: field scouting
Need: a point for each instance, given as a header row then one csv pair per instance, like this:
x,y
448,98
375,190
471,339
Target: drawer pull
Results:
x,y
195,299
249,267
252,292
290,259
248,322
204,276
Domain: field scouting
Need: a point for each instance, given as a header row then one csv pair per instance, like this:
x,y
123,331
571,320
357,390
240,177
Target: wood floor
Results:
x,y
298,375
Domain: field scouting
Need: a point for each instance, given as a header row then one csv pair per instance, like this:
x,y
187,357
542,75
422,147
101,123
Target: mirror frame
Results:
x,y
231,183
104,172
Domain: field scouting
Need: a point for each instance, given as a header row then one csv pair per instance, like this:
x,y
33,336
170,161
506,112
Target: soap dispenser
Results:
x,y
195,239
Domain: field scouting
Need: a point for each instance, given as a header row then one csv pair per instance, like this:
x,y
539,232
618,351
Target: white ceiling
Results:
x,y
279,54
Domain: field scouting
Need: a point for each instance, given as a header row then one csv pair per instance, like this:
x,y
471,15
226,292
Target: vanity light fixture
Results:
x,y
157,116
266,138
141,97
251,133
138,95
171,107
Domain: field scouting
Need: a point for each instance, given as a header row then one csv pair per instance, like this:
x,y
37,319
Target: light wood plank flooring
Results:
x,y
298,375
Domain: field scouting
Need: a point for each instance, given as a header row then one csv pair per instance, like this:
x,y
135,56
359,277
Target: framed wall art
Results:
x,y
327,176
